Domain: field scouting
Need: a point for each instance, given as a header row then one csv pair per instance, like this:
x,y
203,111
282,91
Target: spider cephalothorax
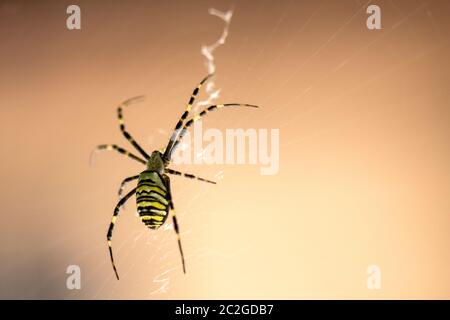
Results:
x,y
156,162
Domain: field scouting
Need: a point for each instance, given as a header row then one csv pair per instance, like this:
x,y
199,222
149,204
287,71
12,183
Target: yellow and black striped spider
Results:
x,y
153,194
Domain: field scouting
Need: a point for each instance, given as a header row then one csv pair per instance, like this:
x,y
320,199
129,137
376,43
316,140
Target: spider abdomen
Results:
x,y
152,199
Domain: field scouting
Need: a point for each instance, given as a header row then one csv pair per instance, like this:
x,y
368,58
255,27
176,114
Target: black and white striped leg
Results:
x,y
111,147
188,175
177,230
175,222
111,226
201,115
124,182
185,115
122,125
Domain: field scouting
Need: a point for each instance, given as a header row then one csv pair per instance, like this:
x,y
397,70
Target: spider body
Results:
x,y
153,195
153,198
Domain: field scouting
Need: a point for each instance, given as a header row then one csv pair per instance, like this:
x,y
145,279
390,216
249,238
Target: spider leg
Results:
x,y
184,115
124,182
175,222
111,226
110,147
122,125
177,230
188,175
198,117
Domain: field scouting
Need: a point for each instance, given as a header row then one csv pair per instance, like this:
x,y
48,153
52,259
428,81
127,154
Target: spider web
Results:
x,y
164,252
163,243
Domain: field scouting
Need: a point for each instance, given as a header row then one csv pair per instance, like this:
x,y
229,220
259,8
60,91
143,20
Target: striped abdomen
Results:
x,y
152,199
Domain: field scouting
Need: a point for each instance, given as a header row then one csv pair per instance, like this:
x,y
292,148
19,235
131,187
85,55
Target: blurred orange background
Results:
x,y
364,149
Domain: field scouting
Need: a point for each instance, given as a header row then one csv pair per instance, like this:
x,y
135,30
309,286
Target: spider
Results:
x,y
153,193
